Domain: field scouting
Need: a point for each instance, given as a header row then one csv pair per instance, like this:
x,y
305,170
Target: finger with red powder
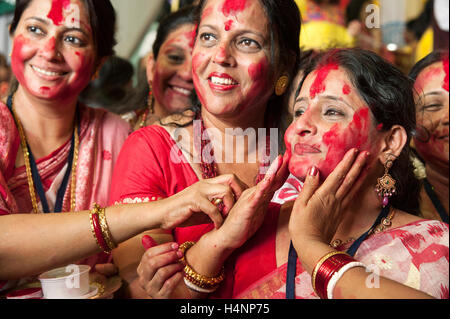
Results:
x,y
148,242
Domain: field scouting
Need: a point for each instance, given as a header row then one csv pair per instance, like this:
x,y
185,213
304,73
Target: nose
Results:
x,y
50,50
305,126
185,71
223,56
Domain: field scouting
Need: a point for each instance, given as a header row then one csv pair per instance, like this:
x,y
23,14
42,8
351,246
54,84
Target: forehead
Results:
x,y
431,78
248,14
182,34
68,13
331,80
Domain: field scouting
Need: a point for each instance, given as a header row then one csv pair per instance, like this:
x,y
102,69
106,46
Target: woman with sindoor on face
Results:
x,y
431,142
241,69
169,68
353,227
57,155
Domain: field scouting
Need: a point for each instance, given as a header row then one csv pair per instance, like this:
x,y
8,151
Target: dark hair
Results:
x,y
389,95
167,7
285,24
102,20
332,2
170,23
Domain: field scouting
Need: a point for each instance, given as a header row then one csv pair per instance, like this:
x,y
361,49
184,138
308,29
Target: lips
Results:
x,y
47,73
222,81
301,149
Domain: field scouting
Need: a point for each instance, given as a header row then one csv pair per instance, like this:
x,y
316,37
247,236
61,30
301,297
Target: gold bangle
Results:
x,y
321,261
104,227
197,279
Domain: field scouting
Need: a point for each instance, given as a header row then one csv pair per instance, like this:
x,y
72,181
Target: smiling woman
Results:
x,y
53,150
241,68
169,68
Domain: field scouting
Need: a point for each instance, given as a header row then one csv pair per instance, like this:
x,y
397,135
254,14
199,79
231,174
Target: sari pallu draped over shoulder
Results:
x,y
101,137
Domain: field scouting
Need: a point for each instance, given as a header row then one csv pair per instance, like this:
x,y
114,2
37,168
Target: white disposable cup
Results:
x,y
69,282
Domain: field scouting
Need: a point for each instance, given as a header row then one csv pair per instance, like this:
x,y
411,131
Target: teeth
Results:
x,y
48,73
222,81
181,90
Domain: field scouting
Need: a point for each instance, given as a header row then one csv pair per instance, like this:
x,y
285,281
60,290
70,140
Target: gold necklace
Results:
x,y
385,224
26,155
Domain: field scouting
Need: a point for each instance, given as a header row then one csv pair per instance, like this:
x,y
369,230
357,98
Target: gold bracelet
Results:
x,y
104,226
321,261
197,279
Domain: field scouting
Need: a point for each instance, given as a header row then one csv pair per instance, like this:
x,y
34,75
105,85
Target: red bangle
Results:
x,y
326,271
95,223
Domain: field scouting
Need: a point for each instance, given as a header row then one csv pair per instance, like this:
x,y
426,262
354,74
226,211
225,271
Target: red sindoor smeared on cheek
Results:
x,y
232,7
258,73
319,83
56,13
340,140
18,57
445,86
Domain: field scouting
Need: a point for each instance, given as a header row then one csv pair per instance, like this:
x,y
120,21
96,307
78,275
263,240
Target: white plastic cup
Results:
x,y
69,282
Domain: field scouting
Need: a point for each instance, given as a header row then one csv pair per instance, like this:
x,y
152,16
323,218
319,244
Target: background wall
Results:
x,y
134,18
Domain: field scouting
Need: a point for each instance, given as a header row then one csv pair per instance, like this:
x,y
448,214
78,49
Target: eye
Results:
x,y
332,112
176,58
432,107
208,39
35,30
73,40
298,113
248,45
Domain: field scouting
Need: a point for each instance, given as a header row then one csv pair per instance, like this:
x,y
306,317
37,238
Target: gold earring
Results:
x,y
386,184
96,75
282,84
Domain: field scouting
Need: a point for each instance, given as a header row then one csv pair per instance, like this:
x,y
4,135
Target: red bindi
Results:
x,y
228,25
346,89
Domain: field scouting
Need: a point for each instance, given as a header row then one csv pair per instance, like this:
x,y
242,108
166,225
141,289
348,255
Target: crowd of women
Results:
x,y
339,168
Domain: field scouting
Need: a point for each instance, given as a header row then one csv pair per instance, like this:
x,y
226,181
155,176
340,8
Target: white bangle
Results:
x,y
196,288
337,275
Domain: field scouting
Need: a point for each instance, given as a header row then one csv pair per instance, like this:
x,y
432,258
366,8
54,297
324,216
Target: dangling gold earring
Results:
x,y
281,86
386,184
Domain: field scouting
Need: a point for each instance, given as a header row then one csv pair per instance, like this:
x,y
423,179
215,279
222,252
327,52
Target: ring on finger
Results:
x,y
217,201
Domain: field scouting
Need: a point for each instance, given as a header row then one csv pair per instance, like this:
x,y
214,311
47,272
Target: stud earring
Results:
x,y
281,86
386,184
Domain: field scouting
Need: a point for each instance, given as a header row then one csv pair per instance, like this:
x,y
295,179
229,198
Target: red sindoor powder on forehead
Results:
x,y
232,7
346,89
319,86
56,13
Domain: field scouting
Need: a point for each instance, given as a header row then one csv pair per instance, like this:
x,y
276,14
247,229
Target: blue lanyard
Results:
x,y
292,261
37,178
436,202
